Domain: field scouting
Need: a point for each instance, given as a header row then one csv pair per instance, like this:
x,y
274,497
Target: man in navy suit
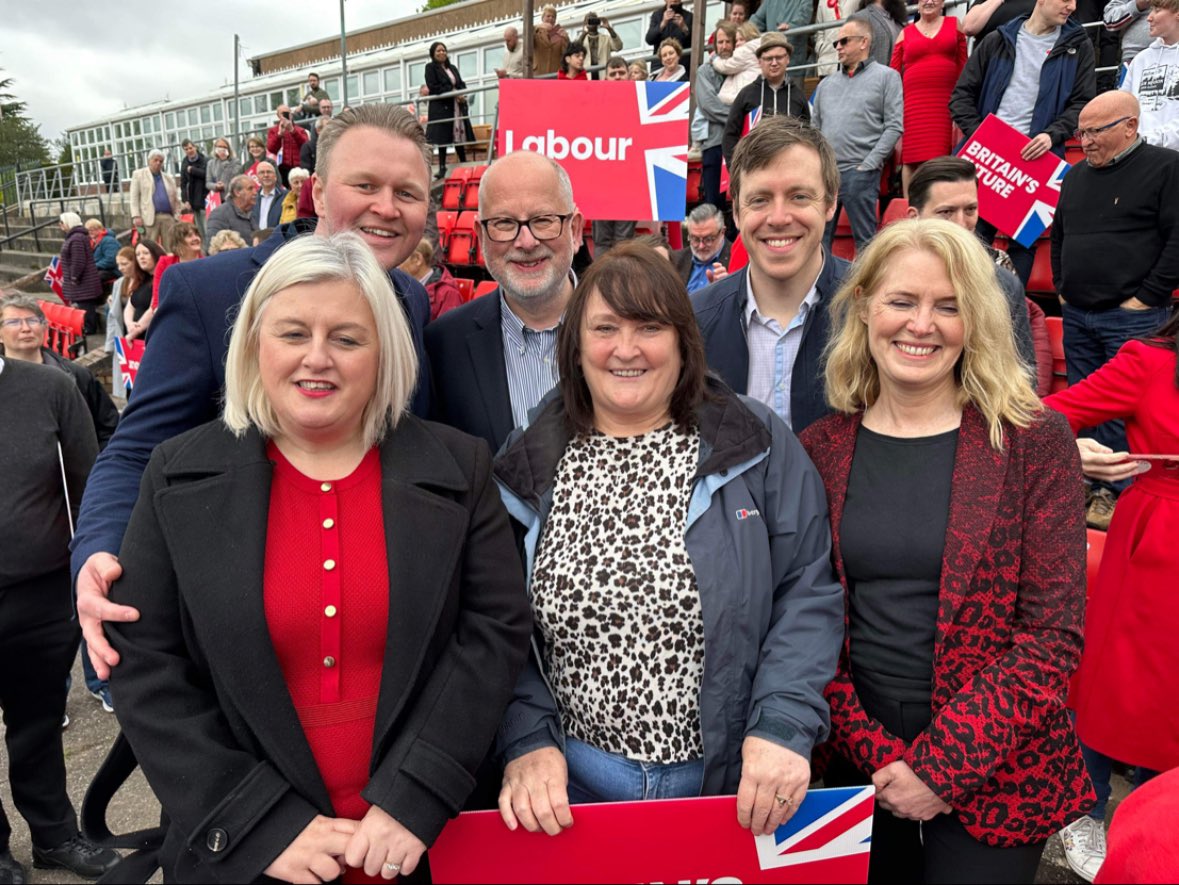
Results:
x,y
268,208
765,326
495,357
378,186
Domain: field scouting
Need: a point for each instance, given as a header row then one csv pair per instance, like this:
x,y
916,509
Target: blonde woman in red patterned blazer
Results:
x,y
956,518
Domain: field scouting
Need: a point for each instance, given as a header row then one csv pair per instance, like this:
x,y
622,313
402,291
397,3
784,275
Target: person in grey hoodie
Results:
x,y
678,558
1153,75
772,94
861,111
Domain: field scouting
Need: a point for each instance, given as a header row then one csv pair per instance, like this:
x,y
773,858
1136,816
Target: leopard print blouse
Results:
x,y
615,596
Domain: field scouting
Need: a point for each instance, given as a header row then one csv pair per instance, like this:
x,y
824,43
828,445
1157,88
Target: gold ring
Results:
x,y
782,800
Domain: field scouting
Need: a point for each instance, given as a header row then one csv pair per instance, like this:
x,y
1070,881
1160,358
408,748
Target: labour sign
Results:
x,y
1018,196
674,840
623,144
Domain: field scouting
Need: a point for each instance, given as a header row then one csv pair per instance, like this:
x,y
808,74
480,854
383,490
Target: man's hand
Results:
x,y
1037,147
784,26
380,840
1102,462
717,272
773,785
535,793
668,14
315,855
901,793
94,586
1134,304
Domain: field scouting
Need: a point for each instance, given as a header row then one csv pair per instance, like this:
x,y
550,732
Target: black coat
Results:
x,y
202,698
790,98
102,408
192,182
466,351
441,111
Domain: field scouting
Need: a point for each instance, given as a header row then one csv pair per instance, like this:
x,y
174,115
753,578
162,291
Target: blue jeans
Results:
x,y
858,192
1100,769
1091,339
598,776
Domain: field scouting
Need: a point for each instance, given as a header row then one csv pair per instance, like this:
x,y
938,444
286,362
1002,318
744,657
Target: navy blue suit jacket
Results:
x,y
180,382
720,311
466,351
274,215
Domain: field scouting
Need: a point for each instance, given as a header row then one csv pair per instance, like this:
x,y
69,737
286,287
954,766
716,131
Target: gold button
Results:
x,y
329,662
330,611
328,523
329,564
325,487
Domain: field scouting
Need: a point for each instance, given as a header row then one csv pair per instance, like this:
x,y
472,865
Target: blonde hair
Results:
x,y
990,374
748,30
345,258
226,239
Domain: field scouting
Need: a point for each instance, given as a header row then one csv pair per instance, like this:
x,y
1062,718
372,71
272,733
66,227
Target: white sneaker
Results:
x,y
1084,846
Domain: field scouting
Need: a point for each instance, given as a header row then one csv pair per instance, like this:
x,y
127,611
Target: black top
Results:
x,y
892,537
1008,10
141,299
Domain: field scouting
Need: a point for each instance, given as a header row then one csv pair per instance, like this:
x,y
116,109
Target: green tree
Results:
x,y
21,141
436,4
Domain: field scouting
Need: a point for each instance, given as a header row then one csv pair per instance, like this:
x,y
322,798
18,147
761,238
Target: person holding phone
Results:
x,y
284,140
1125,691
672,22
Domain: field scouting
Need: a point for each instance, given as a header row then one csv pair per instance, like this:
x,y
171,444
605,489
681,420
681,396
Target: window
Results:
x,y
372,83
260,104
417,76
393,80
137,127
275,100
244,107
170,120
193,117
332,87
493,57
352,88
217,112
293,96
206,114
633,33
468,64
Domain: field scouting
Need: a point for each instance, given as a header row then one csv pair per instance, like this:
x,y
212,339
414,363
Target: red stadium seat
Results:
x,y
470,199
460,250
1055,327
843,244
1072,152
485,288
446,219
897,210
738,257
1040,280
695,192
452,188
1095,547
466,288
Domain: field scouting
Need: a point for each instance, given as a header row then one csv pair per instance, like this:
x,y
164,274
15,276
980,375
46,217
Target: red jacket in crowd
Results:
x,y
285,145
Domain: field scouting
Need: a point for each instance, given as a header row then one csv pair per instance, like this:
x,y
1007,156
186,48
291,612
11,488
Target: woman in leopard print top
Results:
x,y
686,611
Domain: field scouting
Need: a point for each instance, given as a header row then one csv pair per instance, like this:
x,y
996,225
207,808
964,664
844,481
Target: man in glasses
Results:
x,y
707,256
773,92
1034,73
860,110
1115,250
495,357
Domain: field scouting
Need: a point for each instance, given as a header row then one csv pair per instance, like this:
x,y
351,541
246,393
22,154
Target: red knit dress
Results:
x,y
929,68
326,592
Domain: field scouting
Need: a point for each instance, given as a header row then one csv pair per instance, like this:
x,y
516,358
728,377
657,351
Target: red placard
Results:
x,y
624,144
674,840
130,352
1018,196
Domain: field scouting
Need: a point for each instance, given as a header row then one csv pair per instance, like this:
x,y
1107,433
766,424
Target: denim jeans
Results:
x,y
1091,339
1100,768
598,776
858,192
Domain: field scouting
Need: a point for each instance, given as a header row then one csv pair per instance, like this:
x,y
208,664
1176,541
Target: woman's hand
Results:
x,y
901,793
315,854
382,845
535,793
1102,462
773,784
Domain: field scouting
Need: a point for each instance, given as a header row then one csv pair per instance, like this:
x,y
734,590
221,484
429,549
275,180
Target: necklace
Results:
x,y
927,31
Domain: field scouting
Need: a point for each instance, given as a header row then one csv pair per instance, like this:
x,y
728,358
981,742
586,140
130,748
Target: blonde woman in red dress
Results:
x,y
929,55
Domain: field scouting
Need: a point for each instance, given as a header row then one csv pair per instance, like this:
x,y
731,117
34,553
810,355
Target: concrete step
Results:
x,y
27,258
29,281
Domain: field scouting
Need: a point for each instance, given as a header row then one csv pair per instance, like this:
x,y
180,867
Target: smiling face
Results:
x,y
915,332
782,212
631,368
669,56
638,71
256,149
266,176
193,242
1164,23
378,186
318,355
439,53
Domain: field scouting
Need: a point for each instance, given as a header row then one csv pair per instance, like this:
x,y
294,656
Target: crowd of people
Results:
x,y
647,531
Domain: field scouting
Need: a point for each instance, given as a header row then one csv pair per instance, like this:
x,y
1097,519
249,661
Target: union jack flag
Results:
x,y
667,167
751,121
830,824
212,201
54,276
1040,215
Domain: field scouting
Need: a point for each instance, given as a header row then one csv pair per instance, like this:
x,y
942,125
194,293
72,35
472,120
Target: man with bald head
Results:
x,y
495,357
1115,248
513,63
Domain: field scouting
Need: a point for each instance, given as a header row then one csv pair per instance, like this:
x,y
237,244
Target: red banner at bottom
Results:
x,y
676,840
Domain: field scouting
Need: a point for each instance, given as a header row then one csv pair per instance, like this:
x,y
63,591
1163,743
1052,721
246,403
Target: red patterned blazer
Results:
x,y
1001,750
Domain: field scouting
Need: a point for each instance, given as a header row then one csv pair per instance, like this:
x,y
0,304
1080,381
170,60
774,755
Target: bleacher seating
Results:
x,y
453,187
1055,327
485,288
1040,280
470,198
466,287
446,219
64,335
897,211
460,249
843,244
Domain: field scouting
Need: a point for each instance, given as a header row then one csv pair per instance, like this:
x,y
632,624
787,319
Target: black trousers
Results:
x,y
38,643
934,851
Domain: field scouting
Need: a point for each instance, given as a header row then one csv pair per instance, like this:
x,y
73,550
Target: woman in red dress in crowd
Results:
x,y
333,609
929,55
1126,689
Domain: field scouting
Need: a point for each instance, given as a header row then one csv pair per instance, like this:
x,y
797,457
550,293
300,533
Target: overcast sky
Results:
x,y
75,61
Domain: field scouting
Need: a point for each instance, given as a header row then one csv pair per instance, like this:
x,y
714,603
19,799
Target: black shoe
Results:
x,y
78,855
11,872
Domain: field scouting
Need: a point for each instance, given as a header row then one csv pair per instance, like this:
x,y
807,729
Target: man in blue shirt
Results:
x,y
706,257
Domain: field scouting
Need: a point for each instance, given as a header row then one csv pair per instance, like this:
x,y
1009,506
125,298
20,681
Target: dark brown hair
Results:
x,y
1167,337
939,170
638,284
765,143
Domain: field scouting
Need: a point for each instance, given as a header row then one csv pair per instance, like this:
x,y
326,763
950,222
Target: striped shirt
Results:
x,y
773,350
530,358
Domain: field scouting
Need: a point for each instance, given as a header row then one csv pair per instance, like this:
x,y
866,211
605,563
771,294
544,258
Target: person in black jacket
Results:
x,y
673,21
773,92
81,286
448,122
1044,109
192,183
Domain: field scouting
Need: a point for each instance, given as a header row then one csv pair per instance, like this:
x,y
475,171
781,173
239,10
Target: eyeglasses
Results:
x,y
704,241
843,41
779,59
542,227
1097,130
31,322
